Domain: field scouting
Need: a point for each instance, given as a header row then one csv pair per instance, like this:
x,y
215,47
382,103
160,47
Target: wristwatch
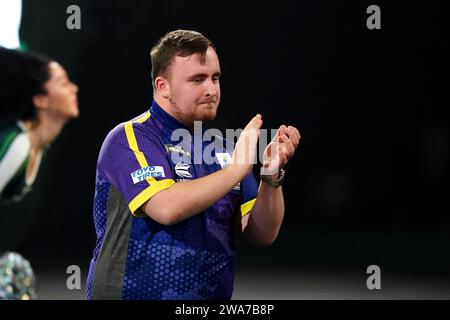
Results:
x,y
274,183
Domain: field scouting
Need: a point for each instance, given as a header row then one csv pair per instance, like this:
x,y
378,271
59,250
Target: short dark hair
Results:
x,y
22,76
177,43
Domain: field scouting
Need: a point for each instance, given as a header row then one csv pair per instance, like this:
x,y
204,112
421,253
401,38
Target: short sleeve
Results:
x,y
134,160
249,189
14,153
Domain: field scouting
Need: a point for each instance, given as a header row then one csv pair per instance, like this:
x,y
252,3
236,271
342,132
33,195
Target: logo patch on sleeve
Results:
x,y
224,159
150,171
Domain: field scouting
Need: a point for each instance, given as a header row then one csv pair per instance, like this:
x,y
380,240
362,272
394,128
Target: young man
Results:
x,y
165,227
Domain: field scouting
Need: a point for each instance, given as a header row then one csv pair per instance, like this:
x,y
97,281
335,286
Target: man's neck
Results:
x,y
170,109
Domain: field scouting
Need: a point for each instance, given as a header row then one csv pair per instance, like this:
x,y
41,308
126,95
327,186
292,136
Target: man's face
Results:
x,y
194,88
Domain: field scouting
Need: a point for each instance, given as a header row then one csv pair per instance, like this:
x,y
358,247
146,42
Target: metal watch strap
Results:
x,y
274,183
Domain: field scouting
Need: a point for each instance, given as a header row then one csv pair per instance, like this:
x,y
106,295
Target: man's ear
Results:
x,y
40,101
162,87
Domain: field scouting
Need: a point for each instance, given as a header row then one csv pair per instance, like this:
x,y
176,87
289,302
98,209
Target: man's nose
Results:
x,y
210,89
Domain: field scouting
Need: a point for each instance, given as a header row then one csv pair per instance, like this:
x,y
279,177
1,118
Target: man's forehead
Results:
x,y
188,66
195,58
195,61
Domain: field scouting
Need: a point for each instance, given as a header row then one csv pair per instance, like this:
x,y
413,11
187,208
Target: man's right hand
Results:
x,y
244,155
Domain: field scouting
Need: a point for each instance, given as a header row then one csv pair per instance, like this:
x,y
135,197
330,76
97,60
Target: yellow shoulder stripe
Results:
x,y
129,131
154,185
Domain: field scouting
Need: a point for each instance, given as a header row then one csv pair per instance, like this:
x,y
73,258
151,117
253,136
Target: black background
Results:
x,y
369,182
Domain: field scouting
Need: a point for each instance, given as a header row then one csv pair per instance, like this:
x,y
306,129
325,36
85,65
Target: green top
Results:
x,y
15,149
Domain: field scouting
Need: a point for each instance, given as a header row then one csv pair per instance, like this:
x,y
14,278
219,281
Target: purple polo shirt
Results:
x,y
135,257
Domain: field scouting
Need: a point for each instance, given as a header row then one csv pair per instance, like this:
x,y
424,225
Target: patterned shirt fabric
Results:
x,y
15,149
137,258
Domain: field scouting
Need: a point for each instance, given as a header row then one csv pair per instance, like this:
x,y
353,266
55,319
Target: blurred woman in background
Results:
x,y
36,101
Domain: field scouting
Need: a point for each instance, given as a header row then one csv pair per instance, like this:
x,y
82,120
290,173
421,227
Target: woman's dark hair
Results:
x,y
22,76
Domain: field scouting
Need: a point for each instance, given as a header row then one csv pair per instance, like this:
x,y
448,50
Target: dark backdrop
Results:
x,y
369,182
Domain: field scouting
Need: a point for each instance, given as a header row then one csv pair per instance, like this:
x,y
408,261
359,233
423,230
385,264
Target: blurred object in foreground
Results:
x,y
16,278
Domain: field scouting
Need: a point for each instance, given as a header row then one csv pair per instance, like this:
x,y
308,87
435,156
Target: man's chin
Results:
x,y
210,117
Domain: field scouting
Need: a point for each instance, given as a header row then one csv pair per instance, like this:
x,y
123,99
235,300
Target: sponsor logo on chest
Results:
x,y
182,170
224,159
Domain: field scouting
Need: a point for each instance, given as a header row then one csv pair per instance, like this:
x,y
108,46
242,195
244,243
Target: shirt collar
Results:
x,y
166,119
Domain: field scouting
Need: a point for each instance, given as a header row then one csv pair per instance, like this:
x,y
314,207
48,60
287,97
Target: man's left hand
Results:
x,y
280,150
